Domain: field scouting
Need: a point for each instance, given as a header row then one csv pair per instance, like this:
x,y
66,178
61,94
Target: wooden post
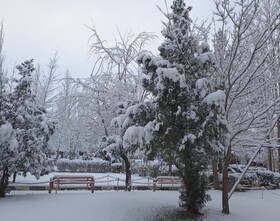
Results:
x,y
278,135
50,186
57,184
92,185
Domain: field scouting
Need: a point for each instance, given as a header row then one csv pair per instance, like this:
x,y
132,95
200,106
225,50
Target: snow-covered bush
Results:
x,y
116,168
152,168
94,166
248,179
267,177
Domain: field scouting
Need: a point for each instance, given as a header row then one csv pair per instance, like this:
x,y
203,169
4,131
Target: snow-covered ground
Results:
x,y
135,205
101,179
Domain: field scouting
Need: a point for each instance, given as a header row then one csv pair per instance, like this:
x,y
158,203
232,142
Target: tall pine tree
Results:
x,y
189,117
32,126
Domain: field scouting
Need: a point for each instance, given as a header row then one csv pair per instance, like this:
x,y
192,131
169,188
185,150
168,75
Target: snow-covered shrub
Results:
x,y
276,179
152,168
248,179
94,166
116,168
266,178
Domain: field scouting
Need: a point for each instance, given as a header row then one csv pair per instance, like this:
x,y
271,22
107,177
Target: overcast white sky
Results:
x,y
36,28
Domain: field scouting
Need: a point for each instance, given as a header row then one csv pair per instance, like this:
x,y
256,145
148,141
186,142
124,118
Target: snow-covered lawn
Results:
x,y
130,206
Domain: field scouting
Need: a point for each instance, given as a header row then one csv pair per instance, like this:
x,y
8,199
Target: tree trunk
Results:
x,y
4,182
278,136
14,177
169,169
270,159
269,164
215,174
225,181
127,172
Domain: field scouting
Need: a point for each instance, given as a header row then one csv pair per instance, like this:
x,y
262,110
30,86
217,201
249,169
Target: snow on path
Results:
x,y
246,206
131,206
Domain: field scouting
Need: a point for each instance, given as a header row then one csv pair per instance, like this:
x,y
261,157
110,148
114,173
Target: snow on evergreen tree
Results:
x,y
8,142
189,112
33,128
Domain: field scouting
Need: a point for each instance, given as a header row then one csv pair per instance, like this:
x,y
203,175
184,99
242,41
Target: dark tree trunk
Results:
x,y
4,182
127,172
191,192
14,177
170,169
270,163
278,136
225,181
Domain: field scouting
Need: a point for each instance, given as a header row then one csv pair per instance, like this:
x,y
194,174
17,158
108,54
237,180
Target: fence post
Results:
x,y
118,184
57,185
50,185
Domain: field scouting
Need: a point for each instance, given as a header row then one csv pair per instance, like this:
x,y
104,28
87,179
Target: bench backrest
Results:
x,y
72,179
168,180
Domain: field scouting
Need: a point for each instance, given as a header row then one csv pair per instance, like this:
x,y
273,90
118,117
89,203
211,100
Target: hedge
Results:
x,y
94,166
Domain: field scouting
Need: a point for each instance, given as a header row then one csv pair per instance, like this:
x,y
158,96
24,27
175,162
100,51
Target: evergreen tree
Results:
x,y
33,128
189,117
8,142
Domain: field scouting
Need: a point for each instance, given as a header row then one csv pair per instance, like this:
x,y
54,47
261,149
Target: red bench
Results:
x,y
58,180
167,180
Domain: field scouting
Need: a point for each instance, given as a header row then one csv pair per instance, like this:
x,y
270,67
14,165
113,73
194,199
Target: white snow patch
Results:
x,y
179,111
215,98
172,74
148,129
204,57
201,87
7,138
133,206
157,127
134,135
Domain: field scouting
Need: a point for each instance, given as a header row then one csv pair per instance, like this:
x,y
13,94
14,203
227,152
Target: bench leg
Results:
x,y
50,186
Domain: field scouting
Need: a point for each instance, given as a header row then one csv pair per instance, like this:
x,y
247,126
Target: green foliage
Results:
x,y
190,126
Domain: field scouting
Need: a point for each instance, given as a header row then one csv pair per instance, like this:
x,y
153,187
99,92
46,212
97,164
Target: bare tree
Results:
x,y
2,57
47,82
242,51
115,78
